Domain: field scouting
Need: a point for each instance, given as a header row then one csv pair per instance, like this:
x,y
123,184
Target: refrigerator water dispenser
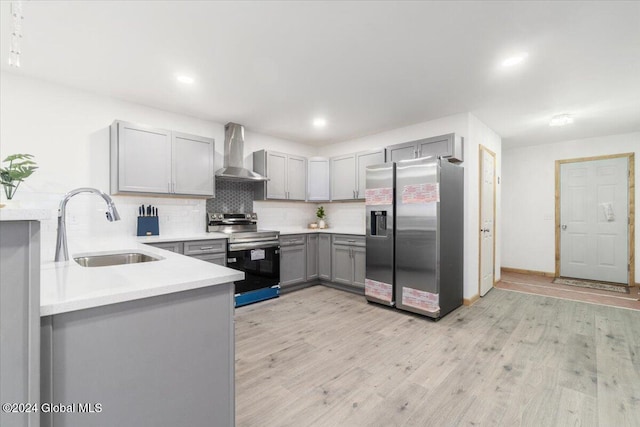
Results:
x,y
379,223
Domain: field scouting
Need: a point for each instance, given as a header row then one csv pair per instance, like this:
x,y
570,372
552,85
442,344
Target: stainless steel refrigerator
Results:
x,y
414,257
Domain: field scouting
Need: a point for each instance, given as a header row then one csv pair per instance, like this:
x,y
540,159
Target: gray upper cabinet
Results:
x,y
363,160
192,164
343,177
399,152
140,159
447,146
348,174
318,181
287,175
296,177
157,161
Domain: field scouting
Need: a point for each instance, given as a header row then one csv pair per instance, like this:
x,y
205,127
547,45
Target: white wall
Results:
x,y
475,133
529,197
457,123
68,132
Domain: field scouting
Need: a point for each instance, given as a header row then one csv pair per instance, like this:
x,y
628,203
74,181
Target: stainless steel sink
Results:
x,y
104,260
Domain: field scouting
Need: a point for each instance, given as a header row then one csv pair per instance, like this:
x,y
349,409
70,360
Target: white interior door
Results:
x,y
594,220
487,219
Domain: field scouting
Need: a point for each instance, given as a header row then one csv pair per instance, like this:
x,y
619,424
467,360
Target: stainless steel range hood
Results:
x,y
234,169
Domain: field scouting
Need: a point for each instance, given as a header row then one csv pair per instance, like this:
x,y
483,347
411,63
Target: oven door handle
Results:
x,y
252,245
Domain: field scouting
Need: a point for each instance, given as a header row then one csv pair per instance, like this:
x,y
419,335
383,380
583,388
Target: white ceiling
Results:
x,y
365,66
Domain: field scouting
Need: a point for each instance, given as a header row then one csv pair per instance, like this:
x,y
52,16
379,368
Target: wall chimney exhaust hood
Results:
x,y
233,166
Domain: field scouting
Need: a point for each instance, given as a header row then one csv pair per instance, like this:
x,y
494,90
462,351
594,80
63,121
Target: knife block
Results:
x,y
148,226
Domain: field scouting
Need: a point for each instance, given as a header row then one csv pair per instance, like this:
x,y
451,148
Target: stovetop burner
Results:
x,y
241,227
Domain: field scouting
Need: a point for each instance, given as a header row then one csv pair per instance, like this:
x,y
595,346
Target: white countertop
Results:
x,y
181,237
11,214
66,286
339,230
283,231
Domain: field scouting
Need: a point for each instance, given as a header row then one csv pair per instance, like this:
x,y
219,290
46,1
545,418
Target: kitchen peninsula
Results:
x,y
151,342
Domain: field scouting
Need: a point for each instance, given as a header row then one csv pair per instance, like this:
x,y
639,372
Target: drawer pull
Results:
x,y
204,248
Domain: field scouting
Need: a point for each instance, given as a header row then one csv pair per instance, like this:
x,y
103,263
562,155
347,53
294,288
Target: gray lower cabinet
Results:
x,y
220,259
312,256
293,260
324,256
177,247
213,251
359,265
348,260
161,361
342,265
19,320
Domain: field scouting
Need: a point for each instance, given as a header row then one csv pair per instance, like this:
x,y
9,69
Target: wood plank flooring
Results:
x,y
540,285
323,357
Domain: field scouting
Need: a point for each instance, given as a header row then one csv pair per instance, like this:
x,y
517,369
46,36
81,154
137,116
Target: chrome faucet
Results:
x,y
62,254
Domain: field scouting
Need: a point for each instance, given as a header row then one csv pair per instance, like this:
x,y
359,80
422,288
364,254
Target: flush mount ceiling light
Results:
x,y
185,79
515,60
561,120
319,122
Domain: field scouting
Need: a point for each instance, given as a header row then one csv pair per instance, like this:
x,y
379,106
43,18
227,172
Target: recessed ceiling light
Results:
x,y
319,122
185,79
561,120
515,60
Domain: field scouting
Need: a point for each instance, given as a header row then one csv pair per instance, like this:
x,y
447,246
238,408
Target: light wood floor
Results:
x,y
540,285
323,357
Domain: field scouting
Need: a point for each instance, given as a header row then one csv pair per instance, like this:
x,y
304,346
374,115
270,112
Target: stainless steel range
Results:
x,y
252,251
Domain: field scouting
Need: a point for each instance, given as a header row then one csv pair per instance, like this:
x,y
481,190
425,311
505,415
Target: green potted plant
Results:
x,y
321,216
20,168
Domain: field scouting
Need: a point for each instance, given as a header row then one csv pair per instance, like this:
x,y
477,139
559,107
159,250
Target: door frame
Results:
x,y
630,214
495,228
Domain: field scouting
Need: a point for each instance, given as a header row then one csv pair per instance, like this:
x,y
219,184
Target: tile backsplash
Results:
x,y
278,215
86,219
232,197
